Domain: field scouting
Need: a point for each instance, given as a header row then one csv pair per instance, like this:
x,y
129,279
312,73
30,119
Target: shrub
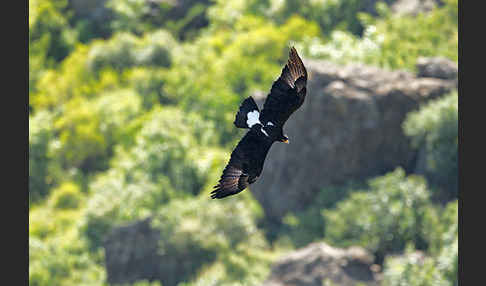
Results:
x,y
306,226
145,176
57,254
40,135
393,212
437,267
125,50
183,20
89,129
414,269
47,22
448,262
69,80
46,221
225,232
329,15
62,262
390,41
66,196
407,38
435,129
149,85
344,48
50,37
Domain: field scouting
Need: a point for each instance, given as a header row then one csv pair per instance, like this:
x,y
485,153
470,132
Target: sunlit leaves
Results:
x,y
434,128
383,219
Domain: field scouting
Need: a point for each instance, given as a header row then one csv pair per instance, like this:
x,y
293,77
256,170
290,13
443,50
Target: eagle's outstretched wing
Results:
x,y
245,164
233,181
287,93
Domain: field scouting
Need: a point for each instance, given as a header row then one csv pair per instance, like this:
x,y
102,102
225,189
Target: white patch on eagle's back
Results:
x,y
253,118
270,123
264,132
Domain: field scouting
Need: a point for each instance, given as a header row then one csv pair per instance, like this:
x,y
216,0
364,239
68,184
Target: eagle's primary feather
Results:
x,y
246,163
287,93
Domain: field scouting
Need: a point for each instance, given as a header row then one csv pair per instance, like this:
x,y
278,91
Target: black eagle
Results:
x,y
246,163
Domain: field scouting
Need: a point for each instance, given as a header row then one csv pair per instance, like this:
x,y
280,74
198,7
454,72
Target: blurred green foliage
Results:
x,y
50,38
182,18
330,15
156,169
40,134
66,196
394,211
88,131
303,227
393,42
413,268
226,232
63,261
435,129
57,252
133,119
124,50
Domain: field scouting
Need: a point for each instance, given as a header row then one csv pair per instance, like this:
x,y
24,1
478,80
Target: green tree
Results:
x,y
50,37
391,41
40,137
169,159
439,268
434,128
394,211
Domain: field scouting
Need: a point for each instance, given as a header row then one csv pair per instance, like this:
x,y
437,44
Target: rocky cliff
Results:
x,y
320,264
349,128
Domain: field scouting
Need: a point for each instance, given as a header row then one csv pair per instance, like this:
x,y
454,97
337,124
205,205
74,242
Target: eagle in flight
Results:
x,y
265,127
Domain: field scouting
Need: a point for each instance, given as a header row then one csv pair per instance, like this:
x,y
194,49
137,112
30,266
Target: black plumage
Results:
x,y
246,163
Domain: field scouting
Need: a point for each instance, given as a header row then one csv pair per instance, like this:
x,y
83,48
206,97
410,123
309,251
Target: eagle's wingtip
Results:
x,y
293,55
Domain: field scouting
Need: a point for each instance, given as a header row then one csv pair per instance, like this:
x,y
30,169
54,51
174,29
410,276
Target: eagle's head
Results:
x,y
276,133
284,139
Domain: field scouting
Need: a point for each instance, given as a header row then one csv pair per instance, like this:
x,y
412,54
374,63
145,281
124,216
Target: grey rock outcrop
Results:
x,y
132,253
414,7
401,7
318,263
437,67
349,128
126,263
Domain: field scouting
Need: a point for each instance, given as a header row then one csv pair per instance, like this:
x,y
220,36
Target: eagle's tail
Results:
x,y
248,115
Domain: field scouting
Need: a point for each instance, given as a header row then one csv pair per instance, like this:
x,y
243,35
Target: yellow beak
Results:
x,y
286,141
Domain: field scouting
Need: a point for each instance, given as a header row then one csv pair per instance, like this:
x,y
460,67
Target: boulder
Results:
x,y
414,7
437,67
348,129
318,264
401,7
133,253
